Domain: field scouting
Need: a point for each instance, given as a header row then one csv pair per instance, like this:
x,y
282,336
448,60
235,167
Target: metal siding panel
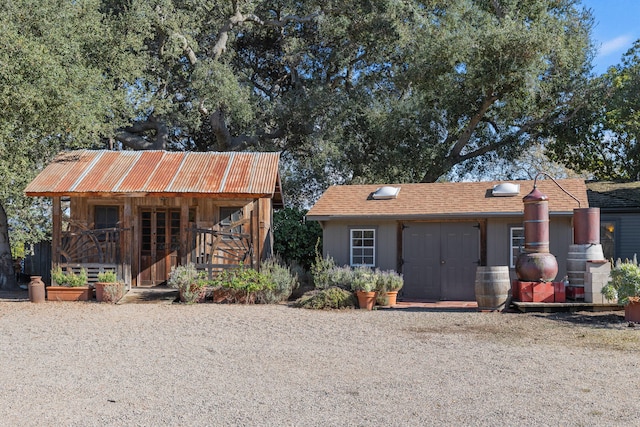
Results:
x,y
161,177
159,171
95,177
200,173
237,180
145,163
76,170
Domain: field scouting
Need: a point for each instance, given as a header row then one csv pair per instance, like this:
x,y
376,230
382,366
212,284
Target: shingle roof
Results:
x,y
442,200
160,173
614,195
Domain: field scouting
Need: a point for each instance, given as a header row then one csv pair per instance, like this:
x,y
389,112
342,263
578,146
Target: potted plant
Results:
x,y
69,286
389,283
624,286
190,283
364,283
108,289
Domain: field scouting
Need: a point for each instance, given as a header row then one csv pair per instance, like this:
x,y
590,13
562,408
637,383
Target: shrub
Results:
x,y
341,277
320,270
624,282
324,299
189,282
244,282
364,279
69,278
389,281
107,277
283,279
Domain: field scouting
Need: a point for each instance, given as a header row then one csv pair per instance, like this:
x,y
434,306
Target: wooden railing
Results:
x,y
214,250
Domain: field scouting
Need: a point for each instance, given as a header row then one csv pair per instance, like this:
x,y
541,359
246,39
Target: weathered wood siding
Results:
x,y
194,212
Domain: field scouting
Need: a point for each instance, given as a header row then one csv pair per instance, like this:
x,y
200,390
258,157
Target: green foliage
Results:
x,y
624,282
294,237
389,281
364,279
183,277
602,136
189,281
330,298
69,278
283,279
320,269
107,277
245,281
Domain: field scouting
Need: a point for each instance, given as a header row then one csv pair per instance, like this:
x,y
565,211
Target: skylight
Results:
x,y
505,189
386,192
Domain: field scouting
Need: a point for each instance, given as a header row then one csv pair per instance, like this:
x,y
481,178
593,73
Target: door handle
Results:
x,y
442,262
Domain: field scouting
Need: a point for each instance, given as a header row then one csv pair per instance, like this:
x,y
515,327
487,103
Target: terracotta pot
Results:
x,y
36,289
632,312
114,296
68,293
392,296
366,300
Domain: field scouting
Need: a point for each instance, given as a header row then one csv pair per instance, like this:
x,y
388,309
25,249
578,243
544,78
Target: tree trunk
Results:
x,y
7,275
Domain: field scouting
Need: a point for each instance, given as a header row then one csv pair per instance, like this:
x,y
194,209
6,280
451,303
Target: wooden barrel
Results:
x,y
493,287
577,261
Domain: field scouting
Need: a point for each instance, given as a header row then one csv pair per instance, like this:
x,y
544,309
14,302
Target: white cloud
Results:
x,y
615,45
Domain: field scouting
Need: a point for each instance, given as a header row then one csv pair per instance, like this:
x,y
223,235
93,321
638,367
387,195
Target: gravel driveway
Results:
x,y
90,364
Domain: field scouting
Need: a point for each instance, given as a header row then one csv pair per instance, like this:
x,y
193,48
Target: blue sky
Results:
x,y
617,26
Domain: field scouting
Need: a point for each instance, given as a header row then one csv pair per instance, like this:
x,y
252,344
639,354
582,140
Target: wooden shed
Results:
x,y
437,234
141,212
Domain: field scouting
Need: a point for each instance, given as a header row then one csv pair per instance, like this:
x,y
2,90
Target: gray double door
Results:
x,y
440,260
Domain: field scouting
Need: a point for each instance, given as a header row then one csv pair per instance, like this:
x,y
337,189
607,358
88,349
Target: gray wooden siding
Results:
x,y
335,241
627,234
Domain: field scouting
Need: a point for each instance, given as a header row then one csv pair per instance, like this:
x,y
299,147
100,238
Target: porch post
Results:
x,y
56,233
255,234
184,229
127,237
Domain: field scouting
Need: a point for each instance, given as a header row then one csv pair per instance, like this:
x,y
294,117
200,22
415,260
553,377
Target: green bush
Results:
x,y
283,279
294,237
107,277
244,282
189,282
69,278
324,299
320,270
624,282
389,281
364,279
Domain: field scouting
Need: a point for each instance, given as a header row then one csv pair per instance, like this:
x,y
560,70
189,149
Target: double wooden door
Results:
x,y
159,245
440,260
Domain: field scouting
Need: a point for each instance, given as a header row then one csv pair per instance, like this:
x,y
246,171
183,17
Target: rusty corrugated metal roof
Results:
x,y
87,172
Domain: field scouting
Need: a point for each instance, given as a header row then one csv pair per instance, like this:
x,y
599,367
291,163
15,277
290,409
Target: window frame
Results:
x,y
229,211
362,257
512,254
106,209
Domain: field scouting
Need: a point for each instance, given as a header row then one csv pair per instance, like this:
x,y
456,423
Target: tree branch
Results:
x,y
133,137
464,138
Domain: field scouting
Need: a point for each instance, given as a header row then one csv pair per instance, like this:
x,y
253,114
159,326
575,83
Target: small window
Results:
x,y
363,247
608,239
106,217
229,216
516,239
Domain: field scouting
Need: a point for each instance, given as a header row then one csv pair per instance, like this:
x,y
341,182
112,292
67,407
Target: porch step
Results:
x,y
156,295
